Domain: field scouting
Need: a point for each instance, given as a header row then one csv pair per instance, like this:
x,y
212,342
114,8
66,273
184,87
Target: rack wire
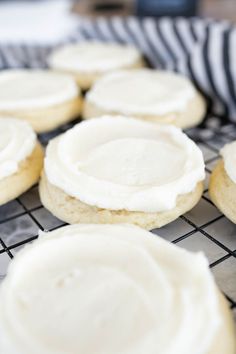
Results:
x,y
203,228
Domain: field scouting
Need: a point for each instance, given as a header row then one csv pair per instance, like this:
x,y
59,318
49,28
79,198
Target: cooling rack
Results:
x,y
203,228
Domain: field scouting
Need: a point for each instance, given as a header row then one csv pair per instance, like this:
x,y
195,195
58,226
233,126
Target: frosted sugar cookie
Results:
x,y
42,98
222,187
102,289
88,61
121,170
21,158
151,95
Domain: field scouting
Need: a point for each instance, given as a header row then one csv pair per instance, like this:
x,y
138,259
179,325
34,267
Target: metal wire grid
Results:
x,y
203,228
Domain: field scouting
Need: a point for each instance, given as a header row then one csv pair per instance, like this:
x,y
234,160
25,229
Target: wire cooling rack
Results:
x,y
203,228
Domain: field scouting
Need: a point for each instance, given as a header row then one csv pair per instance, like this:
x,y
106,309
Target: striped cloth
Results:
x,y
204,50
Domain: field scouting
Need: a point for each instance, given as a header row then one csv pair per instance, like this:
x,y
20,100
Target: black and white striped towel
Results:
x,y
204,50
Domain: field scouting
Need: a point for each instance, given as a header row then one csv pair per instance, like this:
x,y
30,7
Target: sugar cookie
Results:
x,y
42,98
115,170
88,61
102,289
21,158
222,187
151,95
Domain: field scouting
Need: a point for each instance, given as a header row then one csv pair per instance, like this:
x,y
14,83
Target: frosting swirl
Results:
x,y
104,289
17,141
94,56
228,153
122,163
142,92
23,89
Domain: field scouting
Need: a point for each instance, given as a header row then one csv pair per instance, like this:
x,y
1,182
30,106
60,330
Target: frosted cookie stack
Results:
x,y
109,289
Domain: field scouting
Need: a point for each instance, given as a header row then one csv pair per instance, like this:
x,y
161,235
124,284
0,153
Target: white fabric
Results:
x,y
36,22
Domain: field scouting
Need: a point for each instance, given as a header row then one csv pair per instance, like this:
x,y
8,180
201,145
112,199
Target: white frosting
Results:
x,y
228,153
94,57
142,92
17,141
123,163
102,289
23,89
